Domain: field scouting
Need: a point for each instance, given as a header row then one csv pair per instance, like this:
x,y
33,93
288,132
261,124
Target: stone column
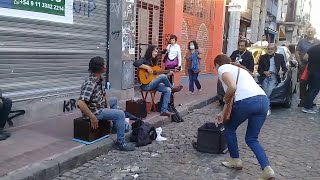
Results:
x,y
255,22
263,15
233,32
121,42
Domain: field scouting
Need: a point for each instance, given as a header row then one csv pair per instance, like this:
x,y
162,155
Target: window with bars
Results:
x,y
198,8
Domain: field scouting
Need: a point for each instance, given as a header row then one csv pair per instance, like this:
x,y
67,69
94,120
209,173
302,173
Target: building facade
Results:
x,y
293,20
44,52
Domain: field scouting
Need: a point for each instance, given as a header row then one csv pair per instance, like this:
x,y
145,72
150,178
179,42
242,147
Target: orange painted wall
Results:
x,y
187,26
218,29
173,15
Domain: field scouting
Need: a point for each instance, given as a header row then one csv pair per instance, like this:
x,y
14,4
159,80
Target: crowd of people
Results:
x,y
235,73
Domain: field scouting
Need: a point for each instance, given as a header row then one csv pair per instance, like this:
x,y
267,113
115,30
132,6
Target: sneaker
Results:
x,y
269,112
267,174
190,93
235,163
309,111
124,147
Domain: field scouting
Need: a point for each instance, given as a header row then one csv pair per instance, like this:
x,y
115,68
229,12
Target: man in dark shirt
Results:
x,y
269,69
92,103
243,56
313,57
161,83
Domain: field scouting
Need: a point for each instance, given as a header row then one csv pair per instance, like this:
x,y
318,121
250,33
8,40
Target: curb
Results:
x,y
58,164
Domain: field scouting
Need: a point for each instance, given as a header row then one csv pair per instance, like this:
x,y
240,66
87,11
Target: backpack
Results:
x,y
142,133
176,117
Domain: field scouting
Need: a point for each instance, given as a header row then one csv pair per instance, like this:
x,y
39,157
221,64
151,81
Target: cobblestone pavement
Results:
x,y
290,138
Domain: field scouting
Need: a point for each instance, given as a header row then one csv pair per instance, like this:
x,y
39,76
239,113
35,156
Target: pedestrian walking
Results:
x,y
250,103
313,58
192,67
302,48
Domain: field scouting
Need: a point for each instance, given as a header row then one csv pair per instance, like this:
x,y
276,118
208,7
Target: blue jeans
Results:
x,y
113,103
161,84
313,89
193,79
117,116
269,83
255,110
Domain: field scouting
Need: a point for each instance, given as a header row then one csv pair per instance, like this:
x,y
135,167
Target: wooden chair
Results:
x,y
144,95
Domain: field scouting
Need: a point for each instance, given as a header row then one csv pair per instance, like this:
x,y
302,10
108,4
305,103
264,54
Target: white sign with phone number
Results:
x,y
54,10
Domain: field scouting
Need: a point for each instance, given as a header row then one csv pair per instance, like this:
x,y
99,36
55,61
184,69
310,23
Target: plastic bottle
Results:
x,y
108,85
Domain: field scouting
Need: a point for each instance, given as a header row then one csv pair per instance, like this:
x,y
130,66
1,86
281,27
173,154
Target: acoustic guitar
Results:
x,y
145,77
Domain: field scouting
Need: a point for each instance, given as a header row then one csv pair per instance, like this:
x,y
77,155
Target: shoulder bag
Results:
x,y
228,110
170,64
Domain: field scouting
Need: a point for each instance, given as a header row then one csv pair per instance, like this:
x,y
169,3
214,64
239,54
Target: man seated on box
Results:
x,y
92,103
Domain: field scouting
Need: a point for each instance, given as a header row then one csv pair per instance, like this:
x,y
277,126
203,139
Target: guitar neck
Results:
x,y
162,72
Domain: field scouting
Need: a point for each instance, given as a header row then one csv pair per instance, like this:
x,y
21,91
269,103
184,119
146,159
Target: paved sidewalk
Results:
x,y
290,138
49,140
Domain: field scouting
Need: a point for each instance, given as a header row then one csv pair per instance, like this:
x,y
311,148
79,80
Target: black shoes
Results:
x,y
176,89
167,113
124,147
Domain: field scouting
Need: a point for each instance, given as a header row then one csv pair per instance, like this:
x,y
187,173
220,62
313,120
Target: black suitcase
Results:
x,y
211,139
137,108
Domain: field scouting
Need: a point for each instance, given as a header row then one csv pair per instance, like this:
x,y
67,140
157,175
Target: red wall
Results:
x,y
187,25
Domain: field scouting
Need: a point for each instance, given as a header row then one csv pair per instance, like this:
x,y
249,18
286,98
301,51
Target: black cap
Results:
x,y
96,64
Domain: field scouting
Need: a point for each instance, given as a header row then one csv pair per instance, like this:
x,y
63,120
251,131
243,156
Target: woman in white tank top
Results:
x,y
250,103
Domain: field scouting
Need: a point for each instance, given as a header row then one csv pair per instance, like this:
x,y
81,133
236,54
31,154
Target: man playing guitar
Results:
x,y
160,83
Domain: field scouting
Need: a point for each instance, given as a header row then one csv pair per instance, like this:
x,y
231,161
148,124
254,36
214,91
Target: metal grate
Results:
x,y
198,8
149,27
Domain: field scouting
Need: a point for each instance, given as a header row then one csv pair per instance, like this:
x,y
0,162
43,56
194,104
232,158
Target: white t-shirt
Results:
x,y
174,51
246,87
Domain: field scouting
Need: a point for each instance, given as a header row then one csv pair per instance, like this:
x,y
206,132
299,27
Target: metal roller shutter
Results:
x,y
43,58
